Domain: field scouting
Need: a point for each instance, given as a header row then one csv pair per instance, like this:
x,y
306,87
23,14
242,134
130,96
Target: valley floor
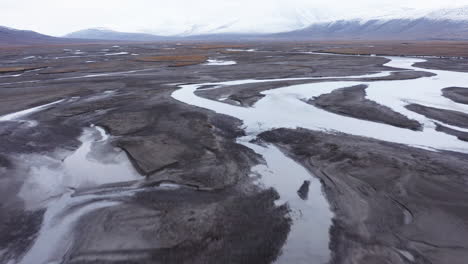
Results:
x,y
229,153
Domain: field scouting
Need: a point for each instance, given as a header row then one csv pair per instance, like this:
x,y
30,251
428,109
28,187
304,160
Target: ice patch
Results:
x,y
214,62
117,53
407,255
244,50
23,113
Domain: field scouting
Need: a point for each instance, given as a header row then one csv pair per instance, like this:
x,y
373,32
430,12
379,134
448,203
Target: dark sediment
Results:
x,y
449,117
456,94
445,64
303,191
351,101
386,197
459,134
17,240
193,146
186,226
166,141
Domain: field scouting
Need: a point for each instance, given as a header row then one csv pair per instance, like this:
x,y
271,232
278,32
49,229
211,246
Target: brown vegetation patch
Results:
x,y
53,71
177,60
90,67
228,52
17,69
182,64
442,49
217,46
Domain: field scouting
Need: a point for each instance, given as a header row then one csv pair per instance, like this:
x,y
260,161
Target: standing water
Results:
x,y
55,185
308,239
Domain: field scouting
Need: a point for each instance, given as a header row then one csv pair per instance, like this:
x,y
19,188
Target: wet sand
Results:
x,y
449,117
456,94
351,101
457,133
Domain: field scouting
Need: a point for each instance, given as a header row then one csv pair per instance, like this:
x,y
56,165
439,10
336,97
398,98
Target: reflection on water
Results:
x,y
308,238
55,185
94,163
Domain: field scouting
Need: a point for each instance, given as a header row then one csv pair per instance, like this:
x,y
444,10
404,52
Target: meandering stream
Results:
x,y
287,108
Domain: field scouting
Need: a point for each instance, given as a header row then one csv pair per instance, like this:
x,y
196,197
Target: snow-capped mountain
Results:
x,y
407,24
298,24
460,13
388,29
390,23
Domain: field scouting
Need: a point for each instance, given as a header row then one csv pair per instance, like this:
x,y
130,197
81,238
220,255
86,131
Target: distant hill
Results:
x,y
107,34
14,37
10,36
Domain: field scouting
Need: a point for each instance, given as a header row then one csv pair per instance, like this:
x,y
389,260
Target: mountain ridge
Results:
x,y
11,36
409,24
394,29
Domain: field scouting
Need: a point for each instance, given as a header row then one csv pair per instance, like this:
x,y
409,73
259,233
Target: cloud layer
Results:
x,y
58,17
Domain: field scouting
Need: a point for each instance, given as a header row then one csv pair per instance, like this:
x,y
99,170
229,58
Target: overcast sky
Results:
x,y
58,17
